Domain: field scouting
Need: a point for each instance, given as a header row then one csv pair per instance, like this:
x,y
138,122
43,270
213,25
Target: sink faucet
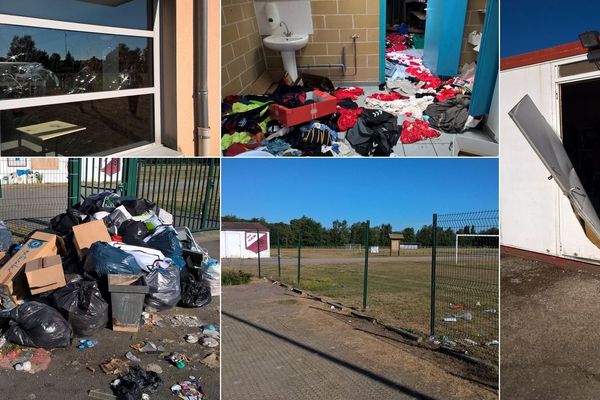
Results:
x,y
287,32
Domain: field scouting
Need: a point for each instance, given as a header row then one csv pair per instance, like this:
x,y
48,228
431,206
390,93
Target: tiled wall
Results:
x,y
334,22
473,22
242,56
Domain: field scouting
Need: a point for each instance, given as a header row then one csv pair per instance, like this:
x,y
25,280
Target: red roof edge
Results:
x,y
539,56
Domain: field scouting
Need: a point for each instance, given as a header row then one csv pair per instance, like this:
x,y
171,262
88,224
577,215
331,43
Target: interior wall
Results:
x,y
334,23
473,22
242,56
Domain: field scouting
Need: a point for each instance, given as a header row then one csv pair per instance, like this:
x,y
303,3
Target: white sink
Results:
x,y
287,45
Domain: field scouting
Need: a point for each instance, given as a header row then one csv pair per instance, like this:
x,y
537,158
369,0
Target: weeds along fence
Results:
x,y
414,289
34,190
465,282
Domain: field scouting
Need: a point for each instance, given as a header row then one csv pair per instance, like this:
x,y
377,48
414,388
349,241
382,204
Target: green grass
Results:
x,y
232,277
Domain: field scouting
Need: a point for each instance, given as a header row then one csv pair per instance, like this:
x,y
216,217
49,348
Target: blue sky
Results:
x,y
403,192
538,24
81,46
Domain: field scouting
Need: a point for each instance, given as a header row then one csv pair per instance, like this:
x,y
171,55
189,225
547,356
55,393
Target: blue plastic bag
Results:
x,y
166,241
104,259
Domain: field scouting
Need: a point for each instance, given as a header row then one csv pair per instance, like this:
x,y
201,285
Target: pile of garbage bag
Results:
x,y
54,286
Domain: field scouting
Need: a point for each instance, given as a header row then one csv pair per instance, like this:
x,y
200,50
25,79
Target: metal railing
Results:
x,y
33,191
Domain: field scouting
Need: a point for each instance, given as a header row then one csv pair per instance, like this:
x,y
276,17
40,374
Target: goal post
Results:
x,y
459,235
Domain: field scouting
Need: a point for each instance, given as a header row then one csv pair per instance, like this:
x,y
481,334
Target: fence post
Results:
x,y
258,242
74,176
278,255
299,247
209,190
366,275
433,266
130,174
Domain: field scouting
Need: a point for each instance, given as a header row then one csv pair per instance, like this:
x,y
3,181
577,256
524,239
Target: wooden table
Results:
x,y
42,134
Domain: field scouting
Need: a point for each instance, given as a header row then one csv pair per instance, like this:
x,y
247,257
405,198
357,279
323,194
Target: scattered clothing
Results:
x,y
348,118
416,131
386,96
450,115
351,93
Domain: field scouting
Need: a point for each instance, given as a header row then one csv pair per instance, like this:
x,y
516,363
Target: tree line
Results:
x,y
342,233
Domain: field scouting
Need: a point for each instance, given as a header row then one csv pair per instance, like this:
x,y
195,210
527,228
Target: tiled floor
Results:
x,y
442,146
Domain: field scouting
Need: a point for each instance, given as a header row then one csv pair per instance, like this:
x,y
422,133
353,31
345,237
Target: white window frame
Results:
x,y
155,90
558,81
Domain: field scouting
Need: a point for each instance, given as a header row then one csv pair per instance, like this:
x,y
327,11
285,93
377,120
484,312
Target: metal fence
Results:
x,y
464,282
448,289
360,273
188,188
32,191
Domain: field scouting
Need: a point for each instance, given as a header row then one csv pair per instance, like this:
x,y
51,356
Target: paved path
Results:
x,y
279,346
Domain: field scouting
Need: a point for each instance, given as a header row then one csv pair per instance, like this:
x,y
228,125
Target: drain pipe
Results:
x,y
202,130
343,66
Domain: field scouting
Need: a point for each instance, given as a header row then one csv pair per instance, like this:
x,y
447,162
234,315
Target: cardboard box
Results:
x,y
324,104
13,281
45,274
85,235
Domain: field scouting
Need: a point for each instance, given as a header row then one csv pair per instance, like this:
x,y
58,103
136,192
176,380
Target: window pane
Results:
x,y
134,14
581,67
78,129
44,62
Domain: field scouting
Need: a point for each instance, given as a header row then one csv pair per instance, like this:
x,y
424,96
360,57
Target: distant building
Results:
x,y
410,246
244,240
395,242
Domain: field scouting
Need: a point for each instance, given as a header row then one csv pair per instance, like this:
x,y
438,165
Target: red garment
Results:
x,y
415,131
446,94
387,96
348,118
424,76
351,93
396,47
239,148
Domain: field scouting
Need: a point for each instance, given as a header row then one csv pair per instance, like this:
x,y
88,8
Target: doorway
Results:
x,y
580,129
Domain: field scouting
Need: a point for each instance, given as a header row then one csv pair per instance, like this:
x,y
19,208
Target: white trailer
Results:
x,y
537,214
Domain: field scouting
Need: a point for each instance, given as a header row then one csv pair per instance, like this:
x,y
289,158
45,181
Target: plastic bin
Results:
x,y
127,294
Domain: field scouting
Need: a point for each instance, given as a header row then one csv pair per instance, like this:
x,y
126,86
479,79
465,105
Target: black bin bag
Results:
x,y
195,290
165,288
81,303
35,324
133,232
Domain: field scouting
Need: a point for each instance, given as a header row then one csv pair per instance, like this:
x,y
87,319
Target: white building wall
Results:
x,y
535,215
234,245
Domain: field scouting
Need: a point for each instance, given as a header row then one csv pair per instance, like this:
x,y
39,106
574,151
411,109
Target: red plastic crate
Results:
x,y
324,104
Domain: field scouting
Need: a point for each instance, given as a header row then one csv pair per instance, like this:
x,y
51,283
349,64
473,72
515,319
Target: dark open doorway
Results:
x,y
410,12
581,133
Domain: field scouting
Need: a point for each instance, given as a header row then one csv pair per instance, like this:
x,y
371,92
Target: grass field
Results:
x,y
315,252
399,288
